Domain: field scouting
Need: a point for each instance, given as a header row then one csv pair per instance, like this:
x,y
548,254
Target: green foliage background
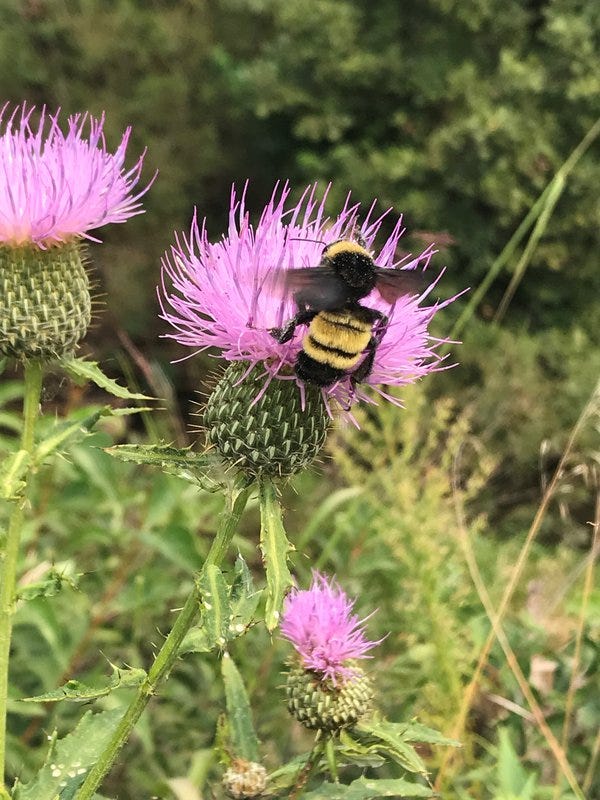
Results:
x,y
457,113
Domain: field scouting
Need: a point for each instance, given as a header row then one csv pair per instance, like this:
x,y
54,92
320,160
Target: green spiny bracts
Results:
x,y
45,305
273,436
319,705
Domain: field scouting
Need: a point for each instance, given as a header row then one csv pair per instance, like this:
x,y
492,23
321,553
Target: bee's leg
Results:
x,y
285,333
365,368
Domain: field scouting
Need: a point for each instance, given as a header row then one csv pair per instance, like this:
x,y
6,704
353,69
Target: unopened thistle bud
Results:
x,y
244,779
45,305
265,430
55,187
325,689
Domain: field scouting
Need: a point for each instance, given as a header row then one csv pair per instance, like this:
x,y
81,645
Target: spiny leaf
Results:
x,y
11,473
417,732
244,598
71,759
394,741
385,744
274,546
80,692
216,611
182,463
66,431
237,607
242,736
81,371
50,586
73,430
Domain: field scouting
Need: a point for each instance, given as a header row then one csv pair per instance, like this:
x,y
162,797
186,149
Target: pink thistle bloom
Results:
x,y
320,624
57,186
219,295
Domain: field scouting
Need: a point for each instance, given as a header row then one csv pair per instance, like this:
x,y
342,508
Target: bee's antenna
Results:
x,y
299,239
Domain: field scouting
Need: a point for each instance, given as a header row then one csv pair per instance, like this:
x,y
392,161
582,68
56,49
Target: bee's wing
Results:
x,y
316,287
394,283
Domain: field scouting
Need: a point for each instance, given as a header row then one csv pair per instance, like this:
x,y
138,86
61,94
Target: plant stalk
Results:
x,y
167,655
10,552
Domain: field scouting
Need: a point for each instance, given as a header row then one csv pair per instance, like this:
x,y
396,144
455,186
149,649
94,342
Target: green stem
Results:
x,y
10,554
167,655
307,770
331,759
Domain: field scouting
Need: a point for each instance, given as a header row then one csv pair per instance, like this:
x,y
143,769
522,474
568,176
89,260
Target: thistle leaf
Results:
x,y
275,547
182,463
71,758
50,586
244,599
216,611
81,371
11,474
230,616
80,692
240,727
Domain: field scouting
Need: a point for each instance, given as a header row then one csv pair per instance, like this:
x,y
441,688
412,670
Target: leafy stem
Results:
x,y
331,759
307,770
10,550
167,655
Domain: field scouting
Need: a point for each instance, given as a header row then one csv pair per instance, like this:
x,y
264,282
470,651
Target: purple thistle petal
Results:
x,y
321,626
219,295
55,186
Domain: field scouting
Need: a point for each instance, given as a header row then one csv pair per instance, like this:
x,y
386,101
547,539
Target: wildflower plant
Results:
x,y
58,183
263,423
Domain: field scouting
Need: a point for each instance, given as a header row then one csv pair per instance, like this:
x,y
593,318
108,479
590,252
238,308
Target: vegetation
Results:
x,y
474,508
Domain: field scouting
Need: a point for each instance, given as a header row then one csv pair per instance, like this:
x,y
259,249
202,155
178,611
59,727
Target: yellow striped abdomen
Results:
x,y
337,338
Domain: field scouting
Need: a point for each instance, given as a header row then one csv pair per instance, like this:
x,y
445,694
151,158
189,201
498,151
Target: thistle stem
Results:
x,y
10,551
167,655
331,759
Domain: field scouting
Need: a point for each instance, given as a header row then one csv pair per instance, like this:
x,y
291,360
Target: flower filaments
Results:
x,y
325,688
55,188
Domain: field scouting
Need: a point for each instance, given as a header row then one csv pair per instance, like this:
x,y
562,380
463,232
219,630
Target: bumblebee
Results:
x,y
343,335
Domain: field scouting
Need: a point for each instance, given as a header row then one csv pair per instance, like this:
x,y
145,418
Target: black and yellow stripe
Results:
x,y
337,339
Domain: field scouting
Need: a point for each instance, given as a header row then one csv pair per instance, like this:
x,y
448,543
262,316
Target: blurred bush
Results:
x,y
455,113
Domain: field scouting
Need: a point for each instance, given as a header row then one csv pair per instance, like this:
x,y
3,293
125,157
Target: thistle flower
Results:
x,y
55,188
219,295
325,688
325,633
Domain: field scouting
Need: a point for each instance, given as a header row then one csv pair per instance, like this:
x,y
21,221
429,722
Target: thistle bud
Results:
x,y
244,779
45,305
265,430
320,705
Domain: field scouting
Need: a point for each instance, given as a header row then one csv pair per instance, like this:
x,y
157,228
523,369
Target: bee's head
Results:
x,y
353,263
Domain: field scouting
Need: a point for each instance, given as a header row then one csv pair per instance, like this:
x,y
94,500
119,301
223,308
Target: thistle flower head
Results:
x,y
321,626
56,186
219,294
